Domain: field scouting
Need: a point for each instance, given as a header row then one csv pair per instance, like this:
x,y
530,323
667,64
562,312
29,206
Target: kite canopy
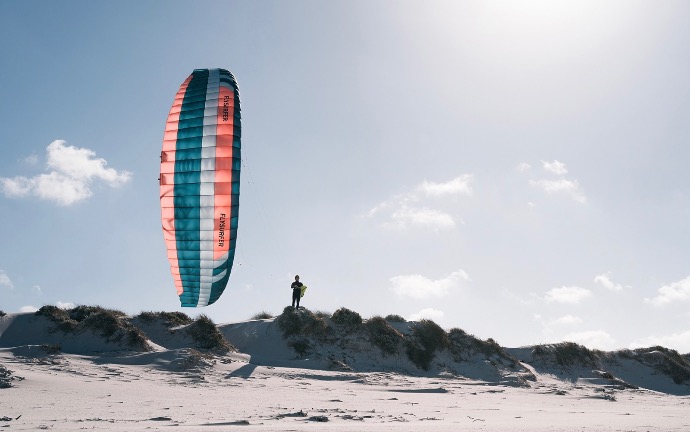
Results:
x,y
200,184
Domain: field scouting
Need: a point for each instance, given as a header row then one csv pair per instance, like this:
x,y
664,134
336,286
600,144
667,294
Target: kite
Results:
x,y
200,184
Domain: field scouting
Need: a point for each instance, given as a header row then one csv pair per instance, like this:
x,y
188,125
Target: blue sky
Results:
x,y
515,169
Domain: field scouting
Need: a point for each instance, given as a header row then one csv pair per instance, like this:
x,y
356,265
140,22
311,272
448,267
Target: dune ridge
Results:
x,y
377,362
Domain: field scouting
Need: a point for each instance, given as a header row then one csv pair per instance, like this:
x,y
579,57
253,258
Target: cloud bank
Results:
x,y
420,287
557,185
605,281
5,280
567,295
417,208
71,173
428,313
672,293
679,340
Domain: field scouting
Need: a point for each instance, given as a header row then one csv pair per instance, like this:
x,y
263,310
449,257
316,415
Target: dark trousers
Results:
x,y
295,296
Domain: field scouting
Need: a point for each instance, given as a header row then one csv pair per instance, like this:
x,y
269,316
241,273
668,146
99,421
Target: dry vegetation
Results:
x,y
171,319
207,336
304,330
113,325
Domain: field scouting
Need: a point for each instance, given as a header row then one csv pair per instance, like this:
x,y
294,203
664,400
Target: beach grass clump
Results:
x,y
51,349
2,313
428,337
570,354
191,359
301,347
395,318
60,317
301,322
207,336
5,377
262,315
171,319
666,361
81,313
382,335
114,326
110,324
463,344
323,314
567,354
347,318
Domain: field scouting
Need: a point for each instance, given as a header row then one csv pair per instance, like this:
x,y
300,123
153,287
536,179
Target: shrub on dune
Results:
x,y
171,319
347,318
462,343
58,316
665,360
385,337
566,354
207,336
428,337
262,315
301,347
323,314
110,324
302,322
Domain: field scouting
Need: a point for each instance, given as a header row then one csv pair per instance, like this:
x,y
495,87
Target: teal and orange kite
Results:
x,y
200,184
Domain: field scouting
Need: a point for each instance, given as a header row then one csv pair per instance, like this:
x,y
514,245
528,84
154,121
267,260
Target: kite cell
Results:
x,y
200,184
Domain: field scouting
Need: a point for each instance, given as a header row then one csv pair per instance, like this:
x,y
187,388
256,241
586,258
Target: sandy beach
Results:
x,y
191,390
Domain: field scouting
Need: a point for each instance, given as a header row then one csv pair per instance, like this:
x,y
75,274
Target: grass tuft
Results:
x,y
347,318
262,315
382,335
207,336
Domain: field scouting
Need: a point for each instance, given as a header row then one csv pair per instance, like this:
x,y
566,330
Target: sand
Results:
x,y
164,388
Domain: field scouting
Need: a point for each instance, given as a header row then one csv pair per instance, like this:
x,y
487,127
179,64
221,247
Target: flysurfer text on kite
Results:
x,y
221,230
226,105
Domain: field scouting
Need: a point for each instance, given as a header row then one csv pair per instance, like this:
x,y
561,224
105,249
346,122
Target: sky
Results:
x,y
514,169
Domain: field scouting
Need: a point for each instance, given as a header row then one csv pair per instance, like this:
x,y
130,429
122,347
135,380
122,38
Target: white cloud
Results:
x,y
406,216
605,281
567,294
427,313
524,167
420,287
32,159
65,305
25,309
457,186
677,341
72,171
37,289
570,187
675,292
5,280
555,167
594,339
557,185
566,321
414,209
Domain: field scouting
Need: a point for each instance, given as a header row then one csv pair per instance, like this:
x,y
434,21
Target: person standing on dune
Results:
x,y
296,291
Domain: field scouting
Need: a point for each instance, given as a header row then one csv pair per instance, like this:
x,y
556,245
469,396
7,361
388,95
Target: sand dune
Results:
x,y
308,372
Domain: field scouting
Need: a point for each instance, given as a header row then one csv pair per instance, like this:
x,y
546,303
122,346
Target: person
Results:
x,y
296,291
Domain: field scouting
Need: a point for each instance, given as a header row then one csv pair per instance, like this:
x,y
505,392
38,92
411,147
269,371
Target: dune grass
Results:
x,y
171,319
262,315
113,325
207,336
